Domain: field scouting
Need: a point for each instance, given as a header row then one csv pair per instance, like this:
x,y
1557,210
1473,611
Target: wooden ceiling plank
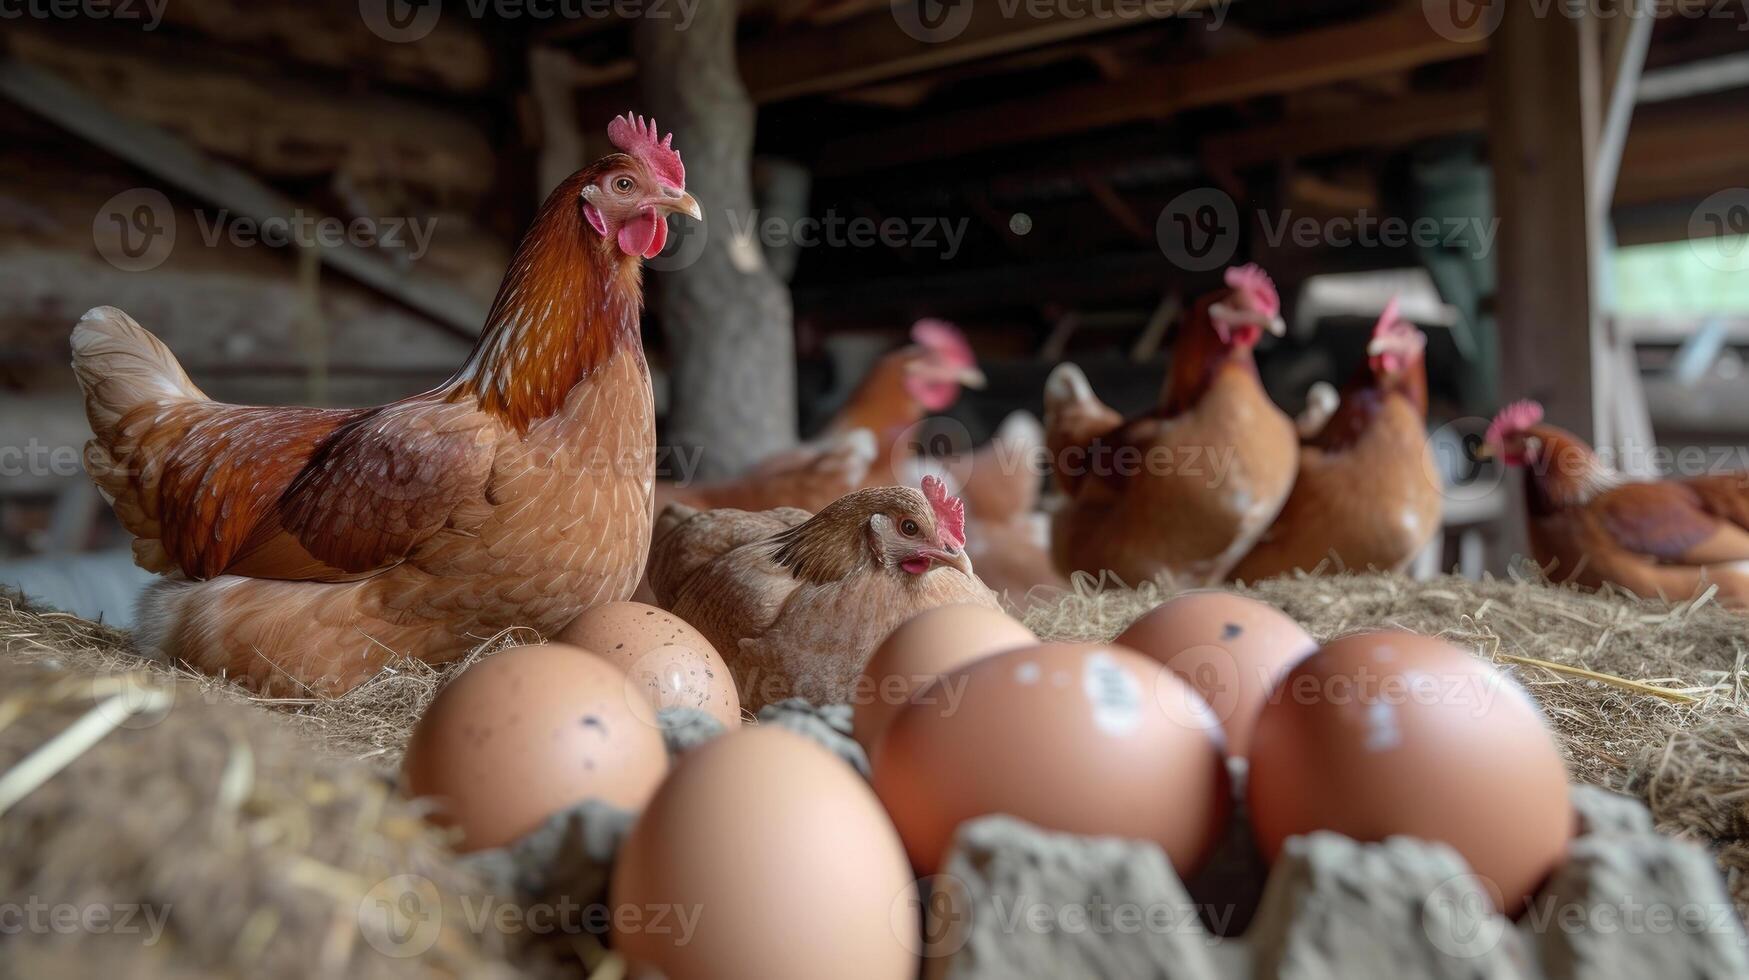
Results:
x,y
1394,123
1390,42
871,47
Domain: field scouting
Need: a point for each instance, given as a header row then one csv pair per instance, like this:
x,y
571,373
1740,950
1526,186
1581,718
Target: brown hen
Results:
x,y
1591,525
304,548
1368,493
797,604
1186,489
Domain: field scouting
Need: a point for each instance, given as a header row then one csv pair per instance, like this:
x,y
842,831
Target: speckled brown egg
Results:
x,y
1085,738
1391,733
923,648
528,732
765,857
671,663
1232,649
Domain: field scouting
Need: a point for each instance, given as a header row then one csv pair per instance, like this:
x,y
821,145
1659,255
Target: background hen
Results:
x,y
1007,535
1187,488
1591,525
796,604
902,389
304,548
1375,439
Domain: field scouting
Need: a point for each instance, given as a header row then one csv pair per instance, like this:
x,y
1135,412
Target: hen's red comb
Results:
x,y
1403,333
945,340
639,139
1513,419
1388,319
950,512
1253,280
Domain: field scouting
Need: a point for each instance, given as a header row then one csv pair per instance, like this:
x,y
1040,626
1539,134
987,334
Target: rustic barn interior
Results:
x,y
432,676
1029,167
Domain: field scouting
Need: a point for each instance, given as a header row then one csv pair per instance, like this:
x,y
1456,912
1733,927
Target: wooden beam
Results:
x,y
873,47
1395,41
1684,152
183,166
1394,123
1543,87
1627,38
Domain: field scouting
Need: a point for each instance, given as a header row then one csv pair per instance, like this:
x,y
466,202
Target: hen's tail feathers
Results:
x,y
672,516
687,539
121,366
851,453
1322,401
1074,416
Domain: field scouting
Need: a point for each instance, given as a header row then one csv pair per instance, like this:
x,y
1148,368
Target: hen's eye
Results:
x,y
909,527
623,184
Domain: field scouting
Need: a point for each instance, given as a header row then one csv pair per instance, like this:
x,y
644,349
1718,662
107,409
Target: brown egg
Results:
x,y
671,663
526,733
1086,738
1230,648
765,856
1392,733
920,650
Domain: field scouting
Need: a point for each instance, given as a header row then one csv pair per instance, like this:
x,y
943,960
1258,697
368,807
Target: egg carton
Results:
x,y
1014,901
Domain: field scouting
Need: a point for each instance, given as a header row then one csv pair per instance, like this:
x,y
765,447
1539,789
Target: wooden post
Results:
x,y
1543,122
726,315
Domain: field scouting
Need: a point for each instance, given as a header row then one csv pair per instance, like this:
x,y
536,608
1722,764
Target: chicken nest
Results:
x,y
230,797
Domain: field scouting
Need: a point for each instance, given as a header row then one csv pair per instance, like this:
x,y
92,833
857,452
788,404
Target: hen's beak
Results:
x,y
973,378
1277,326
1486,451
956,558
677,201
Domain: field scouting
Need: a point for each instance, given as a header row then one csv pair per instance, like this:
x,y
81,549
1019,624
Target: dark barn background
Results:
x,y
1030,162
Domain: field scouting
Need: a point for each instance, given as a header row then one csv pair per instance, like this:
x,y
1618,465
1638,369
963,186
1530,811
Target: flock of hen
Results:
x,y
302,549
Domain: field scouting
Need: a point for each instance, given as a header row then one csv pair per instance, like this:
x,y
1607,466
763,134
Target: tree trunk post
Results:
x,y
726,316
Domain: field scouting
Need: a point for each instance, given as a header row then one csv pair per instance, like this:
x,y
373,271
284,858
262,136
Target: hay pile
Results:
x,y
1647,698
151,831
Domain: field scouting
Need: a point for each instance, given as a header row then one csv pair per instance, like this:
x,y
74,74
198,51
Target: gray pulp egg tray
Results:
x,y
1015,902
1628,904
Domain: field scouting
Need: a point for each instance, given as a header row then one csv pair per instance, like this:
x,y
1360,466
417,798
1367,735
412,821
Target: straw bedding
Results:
x,y
1647,698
